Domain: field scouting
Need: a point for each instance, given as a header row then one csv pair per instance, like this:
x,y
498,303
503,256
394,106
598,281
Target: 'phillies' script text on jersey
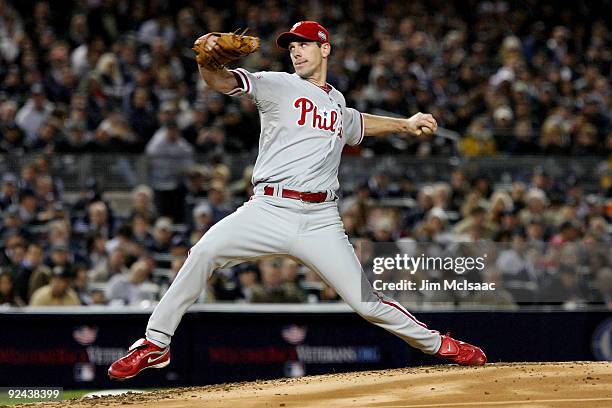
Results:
x,y
325,121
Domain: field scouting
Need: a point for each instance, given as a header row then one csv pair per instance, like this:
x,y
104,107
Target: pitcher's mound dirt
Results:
x,y
577,384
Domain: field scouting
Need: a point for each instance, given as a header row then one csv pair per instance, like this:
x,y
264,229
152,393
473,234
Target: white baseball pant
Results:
x,y
272,226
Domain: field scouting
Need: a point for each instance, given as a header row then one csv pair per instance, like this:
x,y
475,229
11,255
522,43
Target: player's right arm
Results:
x,y
221,80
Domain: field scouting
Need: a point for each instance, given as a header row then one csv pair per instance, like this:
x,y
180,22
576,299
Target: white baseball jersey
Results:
x,y
303,130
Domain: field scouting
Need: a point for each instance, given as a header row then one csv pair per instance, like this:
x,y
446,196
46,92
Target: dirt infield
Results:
x,y
577,384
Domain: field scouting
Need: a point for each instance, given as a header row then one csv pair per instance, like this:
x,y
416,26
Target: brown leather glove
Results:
x,y
227,48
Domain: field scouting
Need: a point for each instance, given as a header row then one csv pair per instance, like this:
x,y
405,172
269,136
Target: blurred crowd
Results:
x,y
546,240
119,75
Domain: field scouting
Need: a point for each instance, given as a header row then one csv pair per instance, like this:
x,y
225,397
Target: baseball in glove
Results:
x,y
228,47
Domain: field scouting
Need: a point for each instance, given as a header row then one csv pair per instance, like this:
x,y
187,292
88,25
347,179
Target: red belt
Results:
x,y
298,195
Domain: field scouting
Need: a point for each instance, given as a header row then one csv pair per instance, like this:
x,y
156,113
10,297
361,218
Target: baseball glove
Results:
x,y
229,47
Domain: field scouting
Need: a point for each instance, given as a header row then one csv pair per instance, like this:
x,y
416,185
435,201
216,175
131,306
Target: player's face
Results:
x,y
307,57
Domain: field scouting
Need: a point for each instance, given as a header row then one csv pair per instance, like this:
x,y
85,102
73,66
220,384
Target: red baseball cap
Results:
x,y
304,30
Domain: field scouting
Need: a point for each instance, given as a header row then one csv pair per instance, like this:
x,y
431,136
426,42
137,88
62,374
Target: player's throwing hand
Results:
x,y
421,124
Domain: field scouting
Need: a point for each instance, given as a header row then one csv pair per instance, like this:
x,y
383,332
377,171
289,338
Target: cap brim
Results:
x,y
285,38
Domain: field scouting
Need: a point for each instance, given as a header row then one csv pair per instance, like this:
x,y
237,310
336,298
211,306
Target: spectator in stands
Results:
x,y
273,289
483,185
45,194
58,292
12,140
80,284
60,255
441,195
248,280
34,113
113,134
192,190
477,219
553,138
42,165
90,192
434,228
500,203
217,198
12,224
29,172
130,289
290,270
96,251
220,173
598,229
503,122
123,238
32,273
202,217
170,154
9,194
14,251
586,142
142,203
479,139
509,220
116,265
8,113
8,294
76,140
379,185
162,238
141,117
569,231
523,142
110,79
536,234
61,81
212,140
59,234
97,222
141,229
459,188
198,121
328,294
424,204
48,137
536,207
381,227
28,208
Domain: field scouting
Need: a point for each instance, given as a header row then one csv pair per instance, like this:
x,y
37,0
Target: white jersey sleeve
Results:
x,y
354,127
261,86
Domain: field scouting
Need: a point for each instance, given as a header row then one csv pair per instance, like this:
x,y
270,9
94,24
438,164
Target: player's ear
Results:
x,y
325,49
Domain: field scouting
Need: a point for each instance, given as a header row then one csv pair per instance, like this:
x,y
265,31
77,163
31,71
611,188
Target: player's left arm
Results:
x,y
417,125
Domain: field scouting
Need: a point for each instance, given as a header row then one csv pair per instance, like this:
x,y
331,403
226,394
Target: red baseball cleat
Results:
x,y
141,355
460,352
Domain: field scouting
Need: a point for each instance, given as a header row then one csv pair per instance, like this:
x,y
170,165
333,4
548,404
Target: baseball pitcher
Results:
x,y
305,124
